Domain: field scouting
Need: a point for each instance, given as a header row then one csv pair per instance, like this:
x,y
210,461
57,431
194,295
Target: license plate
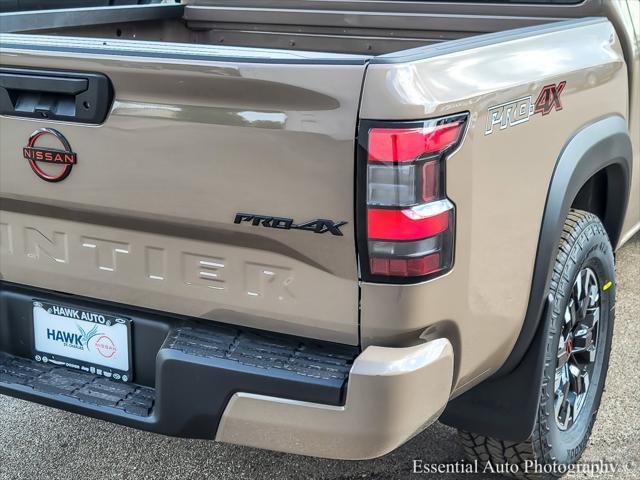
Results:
x,y
94,342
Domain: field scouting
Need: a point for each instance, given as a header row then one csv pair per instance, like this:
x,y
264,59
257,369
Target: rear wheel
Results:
x,y
579,331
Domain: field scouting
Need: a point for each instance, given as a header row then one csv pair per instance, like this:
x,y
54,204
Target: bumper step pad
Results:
x,y
262,351
195,367
88,388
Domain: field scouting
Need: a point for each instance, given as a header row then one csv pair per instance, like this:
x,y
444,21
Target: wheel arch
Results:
x,y
604,195
504,406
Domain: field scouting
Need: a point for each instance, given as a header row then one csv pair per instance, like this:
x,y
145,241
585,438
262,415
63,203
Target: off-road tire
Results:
x,y
584,243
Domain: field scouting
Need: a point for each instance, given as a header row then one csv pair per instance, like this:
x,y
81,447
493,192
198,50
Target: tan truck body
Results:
x,y
192,138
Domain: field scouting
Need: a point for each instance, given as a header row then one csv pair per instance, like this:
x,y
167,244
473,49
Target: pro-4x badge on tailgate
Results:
x,y
57,163
320,225
515,112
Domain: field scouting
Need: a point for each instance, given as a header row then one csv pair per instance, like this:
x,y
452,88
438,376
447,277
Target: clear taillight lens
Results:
x,y
406,228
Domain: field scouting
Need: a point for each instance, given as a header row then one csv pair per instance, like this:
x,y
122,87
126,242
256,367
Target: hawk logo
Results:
x,y
74,340
515,112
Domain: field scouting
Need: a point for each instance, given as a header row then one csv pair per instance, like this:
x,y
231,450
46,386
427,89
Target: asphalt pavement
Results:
x,y
42,443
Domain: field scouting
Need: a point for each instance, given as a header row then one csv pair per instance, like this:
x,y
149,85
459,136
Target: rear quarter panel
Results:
x,y
498,182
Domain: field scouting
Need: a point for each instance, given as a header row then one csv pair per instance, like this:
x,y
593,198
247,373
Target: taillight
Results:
x,y
406,222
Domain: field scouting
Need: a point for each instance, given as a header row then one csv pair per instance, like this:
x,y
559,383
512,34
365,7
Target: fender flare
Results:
x,y
505,405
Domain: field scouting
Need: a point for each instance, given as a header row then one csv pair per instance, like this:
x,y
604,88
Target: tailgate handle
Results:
x,y
47,95
37,83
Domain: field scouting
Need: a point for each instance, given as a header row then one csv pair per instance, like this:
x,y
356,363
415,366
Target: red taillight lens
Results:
x,y
408,220
407,144
430,181
407,224
405,267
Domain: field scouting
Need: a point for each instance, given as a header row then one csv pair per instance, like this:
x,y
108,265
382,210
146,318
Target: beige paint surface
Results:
x,y
185,148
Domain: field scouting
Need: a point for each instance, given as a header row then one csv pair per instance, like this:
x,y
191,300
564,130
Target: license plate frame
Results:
x,y
88,340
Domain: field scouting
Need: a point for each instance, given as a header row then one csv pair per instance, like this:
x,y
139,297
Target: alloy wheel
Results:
x,y
577,348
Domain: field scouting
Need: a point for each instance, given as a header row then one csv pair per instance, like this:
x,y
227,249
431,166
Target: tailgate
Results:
x,y
195,136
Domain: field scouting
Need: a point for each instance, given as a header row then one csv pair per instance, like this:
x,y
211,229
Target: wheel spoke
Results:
x,y
563,358
592,317
561,392
584,342
590,291
567,314
594,295
578,379
566,411
574,312
563,355
585,355
583,302
577,286
587,283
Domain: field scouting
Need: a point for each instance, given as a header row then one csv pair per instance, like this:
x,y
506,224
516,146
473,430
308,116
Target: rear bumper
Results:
x,y
393,394
214,381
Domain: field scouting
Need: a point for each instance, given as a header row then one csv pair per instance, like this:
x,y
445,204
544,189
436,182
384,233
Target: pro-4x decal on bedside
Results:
x,y
520,110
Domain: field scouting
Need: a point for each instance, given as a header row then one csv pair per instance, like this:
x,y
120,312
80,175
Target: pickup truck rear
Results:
x,y
311,225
